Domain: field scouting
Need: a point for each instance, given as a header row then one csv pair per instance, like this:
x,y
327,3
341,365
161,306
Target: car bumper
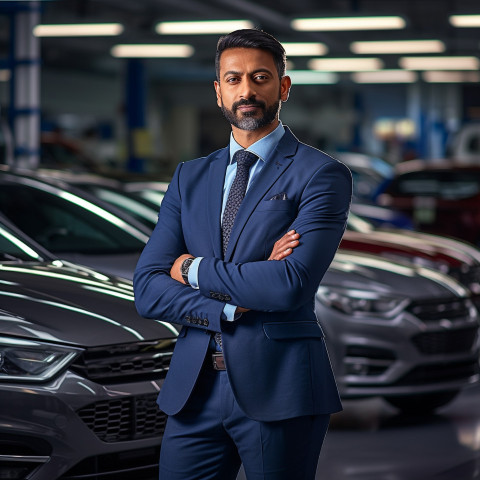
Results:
x,y
400,356
75,428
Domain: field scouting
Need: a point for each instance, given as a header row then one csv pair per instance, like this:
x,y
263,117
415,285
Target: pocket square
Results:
x,y
279,196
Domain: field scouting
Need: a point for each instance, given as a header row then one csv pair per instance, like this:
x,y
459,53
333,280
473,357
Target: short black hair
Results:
x,y
252,38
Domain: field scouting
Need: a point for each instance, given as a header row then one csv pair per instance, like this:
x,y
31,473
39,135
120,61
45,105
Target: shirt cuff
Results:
x,y
229,311
193,273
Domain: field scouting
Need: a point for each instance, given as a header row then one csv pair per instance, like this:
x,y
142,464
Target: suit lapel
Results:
x,y
275,165
216,178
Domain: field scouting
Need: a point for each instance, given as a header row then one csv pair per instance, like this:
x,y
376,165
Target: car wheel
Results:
x,y
420,404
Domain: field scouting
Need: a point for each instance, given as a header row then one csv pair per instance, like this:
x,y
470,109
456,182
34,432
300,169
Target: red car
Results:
x,y
441,197
458,259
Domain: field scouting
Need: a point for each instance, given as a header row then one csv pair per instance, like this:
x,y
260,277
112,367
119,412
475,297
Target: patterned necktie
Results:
x,y
244,161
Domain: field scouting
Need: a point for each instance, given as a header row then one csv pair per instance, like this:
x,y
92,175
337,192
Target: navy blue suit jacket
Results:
x,y
275,354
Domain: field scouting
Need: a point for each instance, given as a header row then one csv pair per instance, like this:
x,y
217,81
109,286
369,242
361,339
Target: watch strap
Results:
x,y
184,268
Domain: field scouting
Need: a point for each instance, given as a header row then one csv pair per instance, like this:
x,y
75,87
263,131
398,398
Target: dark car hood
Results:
x,y
394,244
62,303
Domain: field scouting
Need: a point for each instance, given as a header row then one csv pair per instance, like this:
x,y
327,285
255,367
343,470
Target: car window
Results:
x,y
442,184
63,226
139,209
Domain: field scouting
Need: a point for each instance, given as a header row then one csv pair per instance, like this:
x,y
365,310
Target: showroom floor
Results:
x,y
370,441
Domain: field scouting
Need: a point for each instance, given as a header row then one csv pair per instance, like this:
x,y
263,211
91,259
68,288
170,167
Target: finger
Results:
x,y
284,253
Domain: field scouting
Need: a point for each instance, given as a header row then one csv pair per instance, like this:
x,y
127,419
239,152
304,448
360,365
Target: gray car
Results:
x,y
403,332
80,370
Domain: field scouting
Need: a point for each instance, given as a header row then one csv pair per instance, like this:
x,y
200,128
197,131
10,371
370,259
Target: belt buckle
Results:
x,y
218,361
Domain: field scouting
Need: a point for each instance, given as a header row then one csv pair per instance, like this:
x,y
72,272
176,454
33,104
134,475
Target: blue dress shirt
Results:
x,y
262,149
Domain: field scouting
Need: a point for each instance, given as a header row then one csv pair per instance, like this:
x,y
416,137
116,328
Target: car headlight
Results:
x,y
32,361
361,302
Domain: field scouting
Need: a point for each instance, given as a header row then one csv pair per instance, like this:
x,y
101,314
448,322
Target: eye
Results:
x,y
231,80
261,77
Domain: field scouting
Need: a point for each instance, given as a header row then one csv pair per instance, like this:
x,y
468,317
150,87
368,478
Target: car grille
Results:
x,y
137,464
446,341
435,310
429,374
126,363
129,418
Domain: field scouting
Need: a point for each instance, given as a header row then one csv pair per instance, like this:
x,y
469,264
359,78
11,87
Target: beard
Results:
x,y
247,120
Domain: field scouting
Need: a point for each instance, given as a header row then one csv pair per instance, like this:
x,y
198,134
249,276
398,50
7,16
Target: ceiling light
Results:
x,y
152,51
451,77
78,30
398,46
385,76
465,21
439,63
348,23
304,49
201,28
345,64
4,75
309,77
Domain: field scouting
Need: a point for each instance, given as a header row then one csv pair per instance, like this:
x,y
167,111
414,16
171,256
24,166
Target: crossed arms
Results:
x,y
259,285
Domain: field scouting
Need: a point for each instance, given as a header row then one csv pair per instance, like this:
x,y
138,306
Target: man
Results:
x,y
262,392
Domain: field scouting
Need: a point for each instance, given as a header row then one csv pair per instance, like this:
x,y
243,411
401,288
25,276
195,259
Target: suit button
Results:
x,y
205,322
227,298
188,318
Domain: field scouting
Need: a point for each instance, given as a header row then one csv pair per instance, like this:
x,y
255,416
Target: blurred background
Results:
x,y
400,85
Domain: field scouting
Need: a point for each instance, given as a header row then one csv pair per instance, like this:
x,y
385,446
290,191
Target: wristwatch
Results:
x,y
184,268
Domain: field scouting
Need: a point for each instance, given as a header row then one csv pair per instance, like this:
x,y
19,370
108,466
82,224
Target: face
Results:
x,y
249,91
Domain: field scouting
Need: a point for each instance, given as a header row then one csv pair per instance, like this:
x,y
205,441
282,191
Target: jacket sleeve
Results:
x,y
159,296
288,284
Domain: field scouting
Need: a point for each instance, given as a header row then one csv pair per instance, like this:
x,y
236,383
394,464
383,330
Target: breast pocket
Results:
x,y
276,205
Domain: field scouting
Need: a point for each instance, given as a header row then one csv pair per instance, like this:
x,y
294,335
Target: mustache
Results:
x,y
248,102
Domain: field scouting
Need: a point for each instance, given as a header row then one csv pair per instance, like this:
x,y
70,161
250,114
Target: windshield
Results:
x,y
62,222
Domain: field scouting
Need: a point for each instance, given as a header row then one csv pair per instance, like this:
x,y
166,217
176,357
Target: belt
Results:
x,y
218,361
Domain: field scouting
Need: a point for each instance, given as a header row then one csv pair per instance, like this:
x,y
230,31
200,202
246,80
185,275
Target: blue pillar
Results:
x,y
137,136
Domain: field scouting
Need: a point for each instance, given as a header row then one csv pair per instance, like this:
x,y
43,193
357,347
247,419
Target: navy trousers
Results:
x,y
211,437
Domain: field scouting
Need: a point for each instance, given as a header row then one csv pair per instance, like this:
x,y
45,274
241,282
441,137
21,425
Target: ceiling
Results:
x,y
426,19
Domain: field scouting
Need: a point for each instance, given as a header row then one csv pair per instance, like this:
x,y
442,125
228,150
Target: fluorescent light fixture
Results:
x,y
202,27
304,49
398,46
309,77
345,64
4,75
465,21
152,51
385,76
348,23
79,30
439,63
433,76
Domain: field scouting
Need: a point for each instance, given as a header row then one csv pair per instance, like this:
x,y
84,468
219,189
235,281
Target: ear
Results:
x,y
219,94
285,85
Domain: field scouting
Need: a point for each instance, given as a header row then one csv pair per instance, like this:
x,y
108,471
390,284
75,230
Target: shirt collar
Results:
x,y
261,148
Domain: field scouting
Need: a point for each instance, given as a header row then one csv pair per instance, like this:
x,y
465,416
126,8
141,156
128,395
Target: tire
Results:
x,y
422,404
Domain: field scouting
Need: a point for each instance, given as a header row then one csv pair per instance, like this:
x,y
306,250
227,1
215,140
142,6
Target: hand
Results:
x,y
241,310
284,247
175,271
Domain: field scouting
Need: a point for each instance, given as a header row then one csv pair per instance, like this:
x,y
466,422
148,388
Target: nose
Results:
x,y
248,88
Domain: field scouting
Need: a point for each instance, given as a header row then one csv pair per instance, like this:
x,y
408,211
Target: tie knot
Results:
x,y
244,158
